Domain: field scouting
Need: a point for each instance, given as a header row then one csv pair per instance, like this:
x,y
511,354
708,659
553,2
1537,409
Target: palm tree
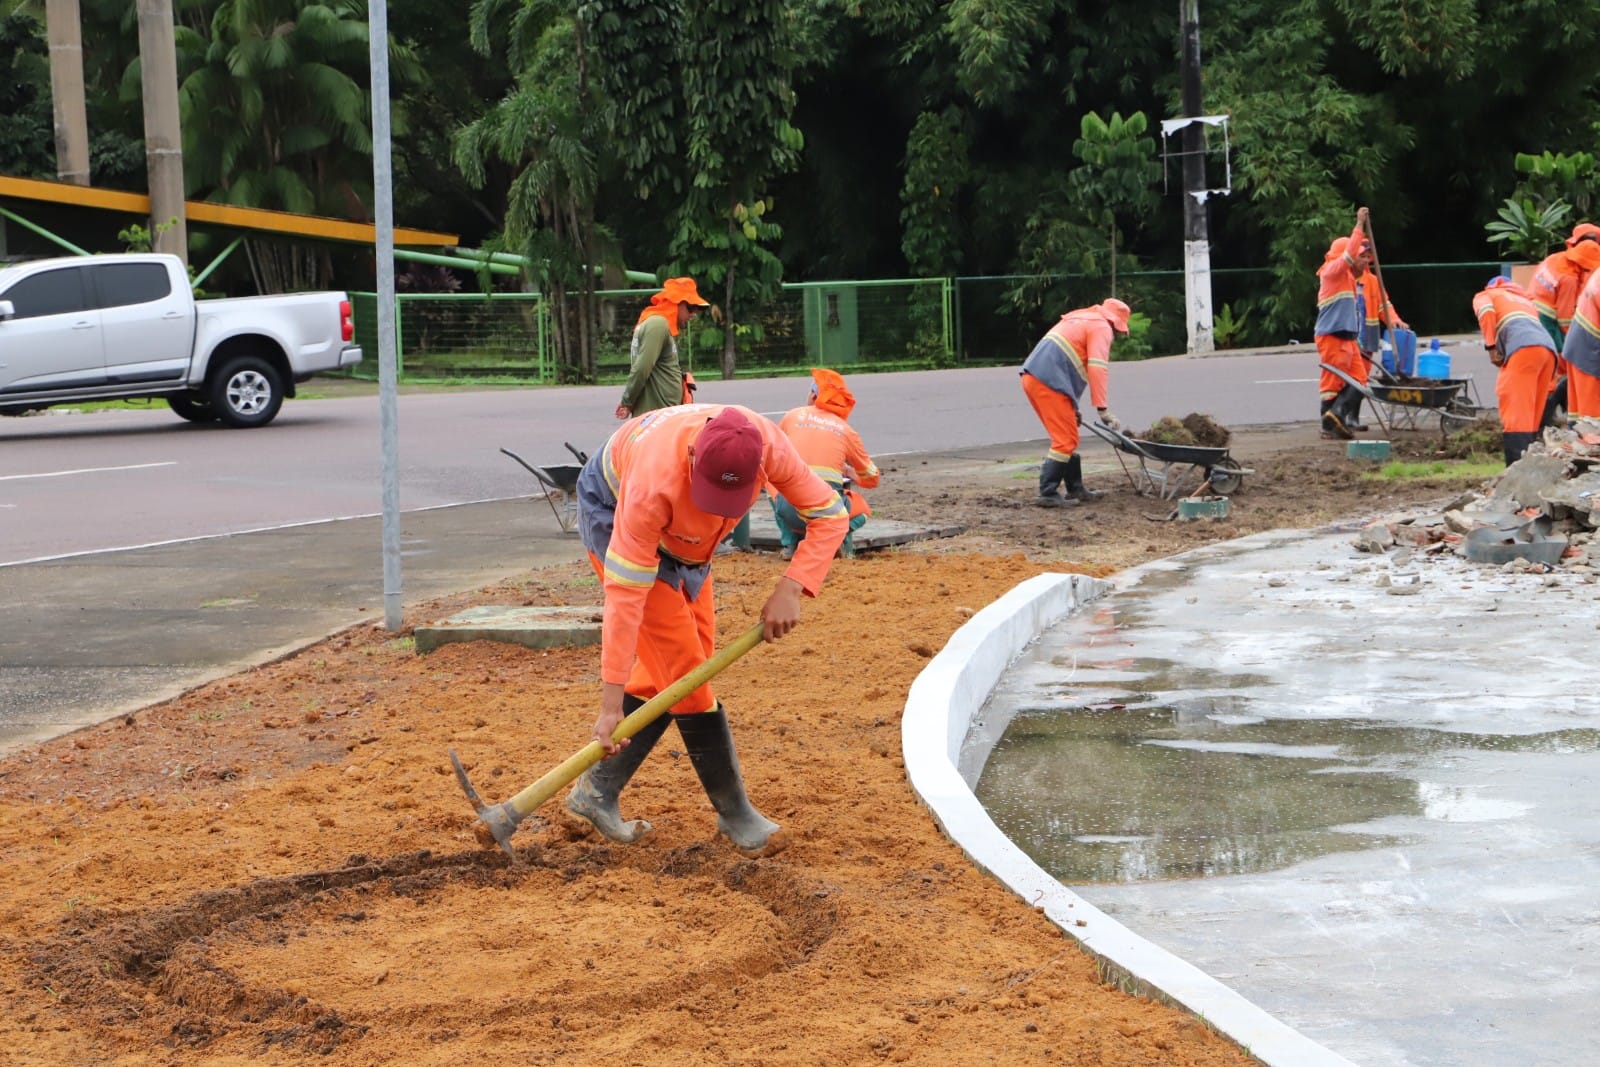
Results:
x,y
548,127
276,114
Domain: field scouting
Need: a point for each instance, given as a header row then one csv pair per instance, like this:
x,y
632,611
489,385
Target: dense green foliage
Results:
x,y
891,138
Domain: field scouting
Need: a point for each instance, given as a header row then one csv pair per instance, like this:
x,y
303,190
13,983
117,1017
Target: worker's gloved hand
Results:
x,y
1109,420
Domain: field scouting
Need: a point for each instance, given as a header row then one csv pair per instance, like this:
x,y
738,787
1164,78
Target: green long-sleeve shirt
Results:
x,y
655,379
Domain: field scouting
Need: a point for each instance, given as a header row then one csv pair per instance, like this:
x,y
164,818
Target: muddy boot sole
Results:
x,y
588,804
751,843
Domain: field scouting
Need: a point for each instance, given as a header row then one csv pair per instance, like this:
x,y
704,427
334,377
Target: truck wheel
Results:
x,y
192,408
246,392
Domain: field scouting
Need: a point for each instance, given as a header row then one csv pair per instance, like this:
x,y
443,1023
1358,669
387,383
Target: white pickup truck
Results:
x,y
121,326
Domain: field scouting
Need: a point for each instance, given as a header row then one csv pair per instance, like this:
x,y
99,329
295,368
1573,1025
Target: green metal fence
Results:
x,y
872,325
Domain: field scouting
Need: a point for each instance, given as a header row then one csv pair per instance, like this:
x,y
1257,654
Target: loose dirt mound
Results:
x,y
280,866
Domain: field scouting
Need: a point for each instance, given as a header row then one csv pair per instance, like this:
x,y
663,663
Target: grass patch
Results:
x,y
1411,471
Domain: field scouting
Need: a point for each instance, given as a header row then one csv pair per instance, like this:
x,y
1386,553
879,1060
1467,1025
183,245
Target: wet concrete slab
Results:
x,y
531,627
1358,790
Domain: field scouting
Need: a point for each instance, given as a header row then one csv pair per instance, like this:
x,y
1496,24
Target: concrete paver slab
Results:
x,y
558,627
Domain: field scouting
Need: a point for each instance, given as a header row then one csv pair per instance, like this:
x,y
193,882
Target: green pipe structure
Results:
x,y
464,263
215,263
42,232
514,260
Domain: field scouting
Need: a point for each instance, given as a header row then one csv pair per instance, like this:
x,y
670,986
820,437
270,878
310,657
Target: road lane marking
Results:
x,y
87,470
1285,381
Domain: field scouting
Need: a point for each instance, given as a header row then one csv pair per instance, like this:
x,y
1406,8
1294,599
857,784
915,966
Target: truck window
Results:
x,y
50,292
121,284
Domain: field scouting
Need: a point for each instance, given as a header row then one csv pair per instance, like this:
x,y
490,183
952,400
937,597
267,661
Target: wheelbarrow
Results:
x,y
1399,402
560,484
1171,471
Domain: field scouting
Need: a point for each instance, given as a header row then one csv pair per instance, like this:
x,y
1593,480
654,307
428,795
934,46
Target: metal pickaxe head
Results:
x,y
500,820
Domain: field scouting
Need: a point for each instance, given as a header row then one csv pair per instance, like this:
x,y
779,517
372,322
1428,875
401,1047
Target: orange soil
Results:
x,y
280,868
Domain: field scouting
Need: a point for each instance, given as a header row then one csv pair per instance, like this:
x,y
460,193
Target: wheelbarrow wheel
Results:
x,y
1226,483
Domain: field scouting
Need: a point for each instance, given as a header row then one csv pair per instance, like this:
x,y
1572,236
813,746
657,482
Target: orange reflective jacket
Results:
x,y
830,445
646,465
1508,320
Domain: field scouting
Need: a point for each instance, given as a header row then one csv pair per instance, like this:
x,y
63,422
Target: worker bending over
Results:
x,y
1582,354
1073,356
834,452
653,505
1521,347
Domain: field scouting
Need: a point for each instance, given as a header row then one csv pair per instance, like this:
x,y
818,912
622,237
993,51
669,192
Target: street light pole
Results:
x,y
1196,238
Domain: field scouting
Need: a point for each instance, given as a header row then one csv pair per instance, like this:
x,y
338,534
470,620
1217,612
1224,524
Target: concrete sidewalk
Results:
x,y
87,638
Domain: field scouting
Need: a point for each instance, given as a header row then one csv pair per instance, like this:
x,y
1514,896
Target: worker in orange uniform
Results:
x,y
1521,347
1582,354
1378,315
655,377
1341,312
833,450
1074,355
653,505
1559,279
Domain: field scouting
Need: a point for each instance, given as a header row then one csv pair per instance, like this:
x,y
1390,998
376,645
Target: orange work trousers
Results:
x,y
1583,394
1523,386
676,636
1059,415
1343,354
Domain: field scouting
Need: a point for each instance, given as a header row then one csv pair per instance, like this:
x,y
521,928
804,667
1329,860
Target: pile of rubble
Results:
x,y
1539,514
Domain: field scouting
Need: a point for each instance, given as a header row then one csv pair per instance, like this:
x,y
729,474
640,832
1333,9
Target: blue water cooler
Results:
x,y
1399,352
1434,363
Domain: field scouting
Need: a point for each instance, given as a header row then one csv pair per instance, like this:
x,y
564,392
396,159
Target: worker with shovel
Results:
x,y
835,453
1341,313
1521,347
653,505
1074,355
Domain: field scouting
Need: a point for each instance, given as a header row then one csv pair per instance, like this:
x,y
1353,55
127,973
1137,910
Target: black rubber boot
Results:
x,y
594,794
1351,412
1332,424
1051,473
1515,444
709,742
1074,478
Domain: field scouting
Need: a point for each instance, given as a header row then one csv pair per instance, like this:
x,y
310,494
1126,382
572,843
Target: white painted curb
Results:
x,y
939,711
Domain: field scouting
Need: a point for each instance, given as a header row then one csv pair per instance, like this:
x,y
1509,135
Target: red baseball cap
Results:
x,y
727,465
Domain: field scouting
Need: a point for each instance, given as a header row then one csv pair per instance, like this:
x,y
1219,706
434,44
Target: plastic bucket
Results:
x,y
1405,350
1433,365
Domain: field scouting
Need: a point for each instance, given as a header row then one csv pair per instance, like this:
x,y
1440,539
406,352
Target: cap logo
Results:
x,y
731,478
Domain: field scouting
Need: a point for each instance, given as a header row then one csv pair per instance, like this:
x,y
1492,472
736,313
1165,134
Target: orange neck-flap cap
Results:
x,y
830,393
1116,313
674,291
1582,230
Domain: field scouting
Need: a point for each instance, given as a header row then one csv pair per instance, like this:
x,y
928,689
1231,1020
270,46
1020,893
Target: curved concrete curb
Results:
x,y
939,710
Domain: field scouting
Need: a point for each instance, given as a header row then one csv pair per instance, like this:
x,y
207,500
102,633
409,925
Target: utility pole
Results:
x,y
1196,239
388,363
66,90
163,135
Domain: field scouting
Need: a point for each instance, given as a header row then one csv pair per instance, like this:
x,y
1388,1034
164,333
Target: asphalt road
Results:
x,y
114,480
141,555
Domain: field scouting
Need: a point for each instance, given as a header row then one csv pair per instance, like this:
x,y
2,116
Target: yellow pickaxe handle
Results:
x,y
502,819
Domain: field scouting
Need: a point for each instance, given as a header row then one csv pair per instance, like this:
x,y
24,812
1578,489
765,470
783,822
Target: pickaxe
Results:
x,y
499,821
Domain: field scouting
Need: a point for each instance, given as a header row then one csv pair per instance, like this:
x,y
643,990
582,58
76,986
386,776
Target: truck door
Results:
x,y
148,324
53,339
